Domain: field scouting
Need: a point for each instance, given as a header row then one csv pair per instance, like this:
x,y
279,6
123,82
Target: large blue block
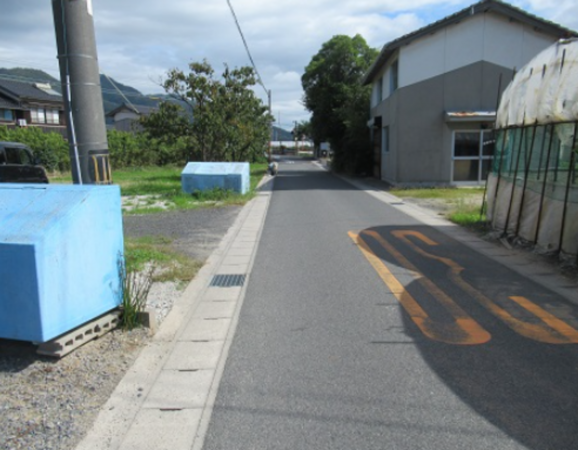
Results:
x,y
199,176
60,247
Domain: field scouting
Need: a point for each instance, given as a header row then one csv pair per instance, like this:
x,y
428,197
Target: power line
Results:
x,y
247,47
120,92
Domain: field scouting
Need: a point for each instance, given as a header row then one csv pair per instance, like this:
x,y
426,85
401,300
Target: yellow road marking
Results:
x,y
559,325
551,331
464,330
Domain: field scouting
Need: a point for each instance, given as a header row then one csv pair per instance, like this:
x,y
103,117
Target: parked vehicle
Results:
x,y
18,164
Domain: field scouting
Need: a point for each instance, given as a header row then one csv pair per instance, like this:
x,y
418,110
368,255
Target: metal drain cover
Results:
x,y
228,280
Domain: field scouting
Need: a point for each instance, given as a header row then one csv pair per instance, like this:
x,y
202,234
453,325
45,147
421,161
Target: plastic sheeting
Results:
x,y
533,187
526,214
545,90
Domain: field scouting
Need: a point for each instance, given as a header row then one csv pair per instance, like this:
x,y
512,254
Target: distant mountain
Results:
x,y
34,75
112,98
110,95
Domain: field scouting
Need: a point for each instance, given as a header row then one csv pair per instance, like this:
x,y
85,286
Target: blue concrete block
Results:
x,y
59,257
199,176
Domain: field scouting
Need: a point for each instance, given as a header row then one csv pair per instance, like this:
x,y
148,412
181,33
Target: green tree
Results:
x,y
229,122
338,101
302,129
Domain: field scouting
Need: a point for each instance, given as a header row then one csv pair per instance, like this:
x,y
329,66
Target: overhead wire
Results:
x,y
120,92
259,79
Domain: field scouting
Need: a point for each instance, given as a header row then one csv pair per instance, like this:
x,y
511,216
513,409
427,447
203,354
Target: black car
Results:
x,y
18,165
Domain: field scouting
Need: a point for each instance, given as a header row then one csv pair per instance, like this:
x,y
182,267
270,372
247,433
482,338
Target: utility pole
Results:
x,y
80,79
270,127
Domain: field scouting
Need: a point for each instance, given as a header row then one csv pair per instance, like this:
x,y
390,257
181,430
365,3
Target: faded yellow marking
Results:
x,y
548,332
464,330
557,324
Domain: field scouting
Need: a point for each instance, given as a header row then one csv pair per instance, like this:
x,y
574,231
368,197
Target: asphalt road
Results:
x,y
364,329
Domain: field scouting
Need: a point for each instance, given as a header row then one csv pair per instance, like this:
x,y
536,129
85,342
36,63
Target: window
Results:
x,y
25,157
379,91
393,76
6,114
385,140
37,115
17,156
12,155
472,153
52,116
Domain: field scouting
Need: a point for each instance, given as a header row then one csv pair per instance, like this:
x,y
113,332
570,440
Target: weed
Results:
x,y
135,289
213,195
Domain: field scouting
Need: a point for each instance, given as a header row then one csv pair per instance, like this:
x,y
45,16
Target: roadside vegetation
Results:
x,y
338,101
462,206
154,189
170,265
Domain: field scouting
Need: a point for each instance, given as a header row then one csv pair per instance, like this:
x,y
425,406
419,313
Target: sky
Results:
x,y
139,41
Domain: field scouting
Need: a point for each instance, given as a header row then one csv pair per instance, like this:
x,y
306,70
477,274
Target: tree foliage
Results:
x,y
338,102
50,149
126,149
229,122
302,130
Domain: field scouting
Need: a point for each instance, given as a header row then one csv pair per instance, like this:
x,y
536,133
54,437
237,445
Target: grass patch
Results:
x,y
459,205
468,216
158,251
162,186
450,194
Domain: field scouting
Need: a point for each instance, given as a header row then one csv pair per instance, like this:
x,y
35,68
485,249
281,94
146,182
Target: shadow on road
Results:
x,y
525,387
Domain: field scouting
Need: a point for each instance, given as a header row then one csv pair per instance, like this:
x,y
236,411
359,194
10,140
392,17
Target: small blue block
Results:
x,y
201,176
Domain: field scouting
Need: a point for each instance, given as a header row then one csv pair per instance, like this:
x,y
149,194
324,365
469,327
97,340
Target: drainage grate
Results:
x,y
228,280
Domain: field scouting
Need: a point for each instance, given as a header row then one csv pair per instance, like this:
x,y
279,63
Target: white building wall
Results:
x,y
487,37
464,43
123,115
422,59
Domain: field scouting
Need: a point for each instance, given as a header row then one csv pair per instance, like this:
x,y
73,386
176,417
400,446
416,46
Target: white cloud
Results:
x,y
139,41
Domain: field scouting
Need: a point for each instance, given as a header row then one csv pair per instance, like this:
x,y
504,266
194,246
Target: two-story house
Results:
x,y
31,104
435,92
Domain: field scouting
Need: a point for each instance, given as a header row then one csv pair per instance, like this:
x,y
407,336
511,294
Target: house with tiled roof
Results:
x,y
31,104
435,92
126,117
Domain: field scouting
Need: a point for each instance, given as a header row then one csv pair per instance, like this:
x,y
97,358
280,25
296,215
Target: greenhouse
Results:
x,y
533,186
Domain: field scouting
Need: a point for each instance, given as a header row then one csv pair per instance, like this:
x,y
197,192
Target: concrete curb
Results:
x,y
166,398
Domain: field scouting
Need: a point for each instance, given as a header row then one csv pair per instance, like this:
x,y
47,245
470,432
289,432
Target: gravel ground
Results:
x,y
50,404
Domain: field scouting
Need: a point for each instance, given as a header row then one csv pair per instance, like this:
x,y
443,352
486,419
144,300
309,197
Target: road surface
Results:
x,y
362,328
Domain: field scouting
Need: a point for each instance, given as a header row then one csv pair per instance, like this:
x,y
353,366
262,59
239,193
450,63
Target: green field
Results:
x,y
147,190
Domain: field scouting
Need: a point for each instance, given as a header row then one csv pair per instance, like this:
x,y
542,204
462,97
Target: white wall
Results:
x,y
122,115
488,37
